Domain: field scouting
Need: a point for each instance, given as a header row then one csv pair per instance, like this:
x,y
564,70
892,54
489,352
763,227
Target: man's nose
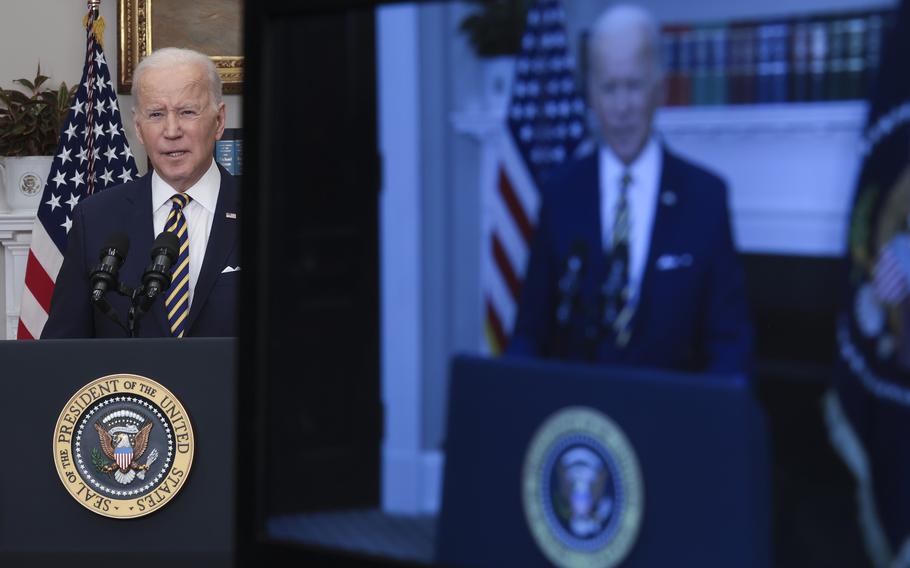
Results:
x,y
171,125
622,99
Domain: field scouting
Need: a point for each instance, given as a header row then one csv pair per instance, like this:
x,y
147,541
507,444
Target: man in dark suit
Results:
x,y
178,116
633,261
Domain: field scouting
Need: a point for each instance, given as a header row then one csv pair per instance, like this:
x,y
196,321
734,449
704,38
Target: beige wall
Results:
x,y
50,32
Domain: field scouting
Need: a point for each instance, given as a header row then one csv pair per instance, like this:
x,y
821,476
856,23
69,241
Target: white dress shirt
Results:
x,y
642,203
199,214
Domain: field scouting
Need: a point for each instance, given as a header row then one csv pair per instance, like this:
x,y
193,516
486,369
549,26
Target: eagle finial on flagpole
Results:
x,y
95,20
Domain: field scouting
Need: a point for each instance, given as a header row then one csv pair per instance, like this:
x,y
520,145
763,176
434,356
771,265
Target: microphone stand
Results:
x,y
133,315
568,298
105,308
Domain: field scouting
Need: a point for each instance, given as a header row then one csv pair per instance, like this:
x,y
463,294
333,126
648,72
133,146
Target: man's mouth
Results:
x,y
176,154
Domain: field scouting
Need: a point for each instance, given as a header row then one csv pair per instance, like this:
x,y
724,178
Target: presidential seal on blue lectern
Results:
x,y
123,446
582,490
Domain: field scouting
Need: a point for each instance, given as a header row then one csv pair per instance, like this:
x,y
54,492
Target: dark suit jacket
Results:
x,y
692,313
128,209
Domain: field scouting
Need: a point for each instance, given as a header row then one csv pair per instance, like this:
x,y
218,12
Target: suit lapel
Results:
x,y
662,231
589,218
142,213
222,241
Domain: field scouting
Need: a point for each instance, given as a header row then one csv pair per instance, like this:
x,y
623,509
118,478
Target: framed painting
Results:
x,y
213,27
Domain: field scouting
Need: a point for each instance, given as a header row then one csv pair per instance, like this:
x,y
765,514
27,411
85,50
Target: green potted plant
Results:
x,y
494,31
31,120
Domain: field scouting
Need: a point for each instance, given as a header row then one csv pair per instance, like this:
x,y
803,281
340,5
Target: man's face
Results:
x,y
177,123
624,90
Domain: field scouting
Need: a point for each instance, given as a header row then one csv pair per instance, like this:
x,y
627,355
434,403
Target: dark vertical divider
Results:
x,y
309,400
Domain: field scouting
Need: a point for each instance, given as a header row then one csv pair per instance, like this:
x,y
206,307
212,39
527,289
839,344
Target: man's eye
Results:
x,y
155,114
188,113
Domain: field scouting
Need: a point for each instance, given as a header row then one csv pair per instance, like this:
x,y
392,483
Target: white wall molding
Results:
x,y
420,472
758,120
15,240
400,270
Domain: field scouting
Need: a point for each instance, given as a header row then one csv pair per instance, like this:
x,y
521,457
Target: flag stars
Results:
x,y
108,176
113,130
82,155
576,129
73,200
526,133
65,155
54,201
111,154
78,180
99,132
126,175
99,108
68,224
99,58
70,132
127,153
59,179
112,105
78,106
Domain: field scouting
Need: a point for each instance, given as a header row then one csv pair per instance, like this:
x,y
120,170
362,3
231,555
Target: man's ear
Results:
x,y
219,131
137,128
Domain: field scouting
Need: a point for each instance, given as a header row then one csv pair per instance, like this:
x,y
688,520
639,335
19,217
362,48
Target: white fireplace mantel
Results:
x,y
15,239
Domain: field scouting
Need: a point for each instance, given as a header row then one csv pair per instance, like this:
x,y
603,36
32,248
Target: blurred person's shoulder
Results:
x,y
692,177
574,177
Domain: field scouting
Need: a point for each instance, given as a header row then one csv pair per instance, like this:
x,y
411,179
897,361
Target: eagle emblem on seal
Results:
x,y
124,437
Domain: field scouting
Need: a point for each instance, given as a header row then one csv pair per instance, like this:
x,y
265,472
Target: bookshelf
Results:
x,y
807,58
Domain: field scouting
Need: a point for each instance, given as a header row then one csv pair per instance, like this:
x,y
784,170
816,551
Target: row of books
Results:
x,y
229,151
821,58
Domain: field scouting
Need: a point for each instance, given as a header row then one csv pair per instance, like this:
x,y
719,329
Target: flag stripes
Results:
x,y
92,155
545,126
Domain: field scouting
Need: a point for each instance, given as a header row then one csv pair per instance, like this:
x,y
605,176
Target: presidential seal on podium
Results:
x,y
123,446
582,490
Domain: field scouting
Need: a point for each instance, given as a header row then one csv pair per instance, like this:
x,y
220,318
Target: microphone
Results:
x,y
104,277
569,283
157,277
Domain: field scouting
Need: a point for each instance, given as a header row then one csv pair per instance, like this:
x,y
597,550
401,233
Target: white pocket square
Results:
x,y
228,269
673,261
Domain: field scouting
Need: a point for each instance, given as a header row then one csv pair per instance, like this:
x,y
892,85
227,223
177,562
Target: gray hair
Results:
x,y
622,17
172,57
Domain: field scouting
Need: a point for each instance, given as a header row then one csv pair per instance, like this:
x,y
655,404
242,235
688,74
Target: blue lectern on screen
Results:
x,y
575,465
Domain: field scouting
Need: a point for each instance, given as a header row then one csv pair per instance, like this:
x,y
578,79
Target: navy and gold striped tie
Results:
x,y
177,302
617,291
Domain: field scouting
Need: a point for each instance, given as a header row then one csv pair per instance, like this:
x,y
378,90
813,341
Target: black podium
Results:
x,y
41,524
701,450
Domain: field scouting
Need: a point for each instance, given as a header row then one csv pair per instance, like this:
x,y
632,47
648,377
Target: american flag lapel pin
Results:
x,y
230,215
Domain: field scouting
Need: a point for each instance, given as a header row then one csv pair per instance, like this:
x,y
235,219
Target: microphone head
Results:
x,y
117,241
580,248
169,242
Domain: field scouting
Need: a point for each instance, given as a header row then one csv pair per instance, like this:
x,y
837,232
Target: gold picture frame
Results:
x,y
210,26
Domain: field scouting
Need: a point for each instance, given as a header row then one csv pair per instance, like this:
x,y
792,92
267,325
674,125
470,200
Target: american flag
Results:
x,y
545,126
92,155
892,271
